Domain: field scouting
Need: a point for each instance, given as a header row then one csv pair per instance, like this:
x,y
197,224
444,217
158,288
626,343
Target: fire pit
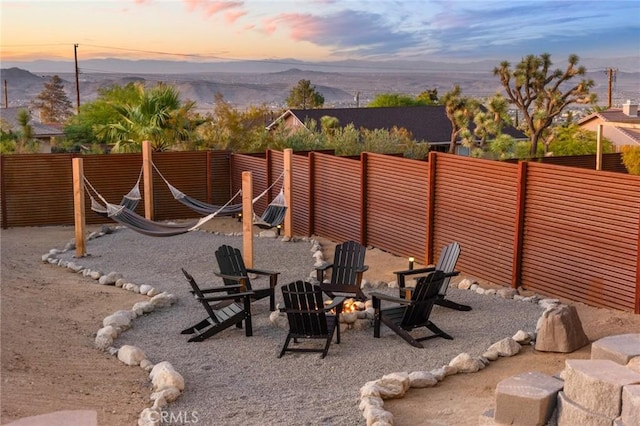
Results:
x,y
355,315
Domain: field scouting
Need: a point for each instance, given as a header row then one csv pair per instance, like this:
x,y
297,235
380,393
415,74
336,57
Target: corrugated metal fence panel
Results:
x,y
38,189
112,176
186,171
581,238
611,162
221,178
396,207
475,205
300,194
257,165
337,198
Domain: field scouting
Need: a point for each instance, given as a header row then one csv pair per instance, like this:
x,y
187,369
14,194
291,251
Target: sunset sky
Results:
x,y
318,30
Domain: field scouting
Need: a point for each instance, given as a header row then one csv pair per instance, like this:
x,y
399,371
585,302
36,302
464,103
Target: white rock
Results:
x,y
170,394
370,389
378,417
466,364
279,319
103,342
480,290
372,401
119,320
491,355
422,379
548,303
141,308
164,376
146,365
153,292
505,347
465,284
162,300
96,275
507,292
120,282
522,337
348,317
490,292
393,385
110,278
131,355
108,331
144,288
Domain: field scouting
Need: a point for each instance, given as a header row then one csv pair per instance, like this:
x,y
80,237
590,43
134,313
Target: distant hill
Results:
x,y
242,89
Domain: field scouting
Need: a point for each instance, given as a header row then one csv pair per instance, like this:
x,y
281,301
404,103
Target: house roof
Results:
x,y
40,130
427,123
616,115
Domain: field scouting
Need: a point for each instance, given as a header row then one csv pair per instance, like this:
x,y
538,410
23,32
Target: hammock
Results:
x,y
274,214
140,224
133,197
200,206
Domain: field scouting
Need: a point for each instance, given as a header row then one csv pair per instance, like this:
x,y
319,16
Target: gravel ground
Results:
x,y
236,380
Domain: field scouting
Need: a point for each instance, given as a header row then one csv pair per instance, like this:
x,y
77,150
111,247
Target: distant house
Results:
x,y
619,135
44,133
426,123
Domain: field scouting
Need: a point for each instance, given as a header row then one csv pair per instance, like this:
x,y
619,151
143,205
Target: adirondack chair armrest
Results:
x,y
226,296
218,289
273,276
238,278
337,301
320,271
415,271
377,297
262,272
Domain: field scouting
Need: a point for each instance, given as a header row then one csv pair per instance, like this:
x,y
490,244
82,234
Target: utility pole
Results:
x,y
612,77
75,54
6,95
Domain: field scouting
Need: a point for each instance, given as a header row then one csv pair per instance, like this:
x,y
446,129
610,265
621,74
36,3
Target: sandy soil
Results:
x,y
49,317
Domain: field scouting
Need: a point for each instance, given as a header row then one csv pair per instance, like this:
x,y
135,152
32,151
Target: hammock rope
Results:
x,y
198,206
140,224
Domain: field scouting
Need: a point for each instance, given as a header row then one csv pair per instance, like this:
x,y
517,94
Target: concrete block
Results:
x,y
620,348
572,414
631,405
535,391
597,384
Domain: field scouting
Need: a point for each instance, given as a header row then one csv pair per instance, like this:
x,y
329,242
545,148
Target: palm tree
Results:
x,y
157,116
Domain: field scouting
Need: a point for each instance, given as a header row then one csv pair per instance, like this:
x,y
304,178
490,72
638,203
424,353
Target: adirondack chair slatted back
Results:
x,y
303,296
230,263
424,295
447,263
198,294
348,258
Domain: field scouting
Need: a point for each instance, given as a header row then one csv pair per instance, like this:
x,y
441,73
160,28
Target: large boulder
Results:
x,y
560,330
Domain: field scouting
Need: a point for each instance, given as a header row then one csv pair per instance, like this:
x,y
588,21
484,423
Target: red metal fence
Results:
x,y
560,231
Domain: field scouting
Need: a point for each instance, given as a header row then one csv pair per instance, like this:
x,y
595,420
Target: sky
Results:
x,y
318,30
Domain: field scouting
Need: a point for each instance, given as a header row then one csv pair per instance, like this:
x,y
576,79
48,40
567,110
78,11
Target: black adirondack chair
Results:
x,y
308,318
234,272
222,311
412,313
346,271
446,263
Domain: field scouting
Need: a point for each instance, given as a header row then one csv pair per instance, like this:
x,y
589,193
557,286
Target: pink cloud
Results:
x,y
301,27
233,16
213,7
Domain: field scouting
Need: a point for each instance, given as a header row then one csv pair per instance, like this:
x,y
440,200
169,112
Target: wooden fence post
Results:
x,y
516,268
431,207
147,171
78,206
288,170
363,198
247,219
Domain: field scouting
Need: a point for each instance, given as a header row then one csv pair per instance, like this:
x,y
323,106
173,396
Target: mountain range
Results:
x,y
245,83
